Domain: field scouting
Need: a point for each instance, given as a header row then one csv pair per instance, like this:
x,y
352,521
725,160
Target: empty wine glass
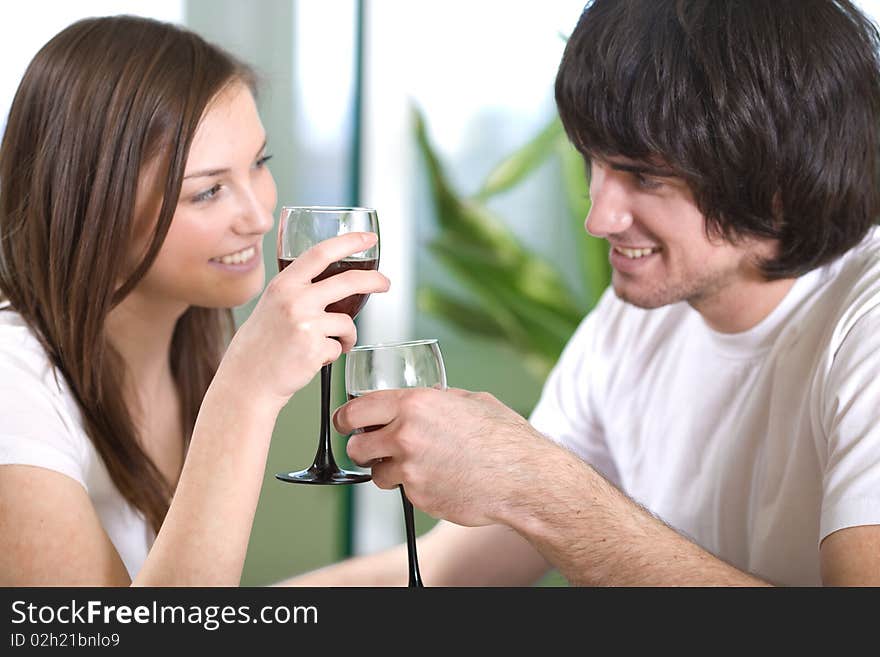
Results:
x,y
299,229
415,364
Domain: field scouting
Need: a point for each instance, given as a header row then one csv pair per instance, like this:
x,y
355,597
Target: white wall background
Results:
x,y
26,26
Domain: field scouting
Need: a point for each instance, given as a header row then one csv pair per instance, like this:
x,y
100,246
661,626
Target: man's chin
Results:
x,y
644,300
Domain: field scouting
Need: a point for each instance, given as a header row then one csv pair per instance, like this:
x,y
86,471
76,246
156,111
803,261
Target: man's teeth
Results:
x,y
237,258
634,253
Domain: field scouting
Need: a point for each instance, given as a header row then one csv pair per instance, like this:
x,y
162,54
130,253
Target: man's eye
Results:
x,y
262,161
647,183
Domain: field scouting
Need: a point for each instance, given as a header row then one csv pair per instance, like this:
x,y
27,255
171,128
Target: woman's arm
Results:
x,y
449,555
50,533
50,530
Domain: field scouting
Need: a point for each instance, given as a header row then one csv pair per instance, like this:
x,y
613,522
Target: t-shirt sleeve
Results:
x,y
851,419
33,427
566,410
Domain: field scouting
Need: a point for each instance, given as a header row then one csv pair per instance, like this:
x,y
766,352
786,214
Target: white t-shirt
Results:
x,y
756,445
41,425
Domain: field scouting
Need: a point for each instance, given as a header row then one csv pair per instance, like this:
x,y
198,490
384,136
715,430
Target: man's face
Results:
x,y
660,252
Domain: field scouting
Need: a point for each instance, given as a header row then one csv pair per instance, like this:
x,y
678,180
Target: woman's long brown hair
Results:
x,y
102,100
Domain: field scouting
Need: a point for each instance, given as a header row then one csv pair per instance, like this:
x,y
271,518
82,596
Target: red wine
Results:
x,y
350,305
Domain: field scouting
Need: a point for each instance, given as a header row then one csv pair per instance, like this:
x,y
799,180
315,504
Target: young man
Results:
x,y
716,419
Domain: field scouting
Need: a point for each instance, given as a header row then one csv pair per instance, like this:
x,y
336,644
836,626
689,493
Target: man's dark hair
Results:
x,y
768,109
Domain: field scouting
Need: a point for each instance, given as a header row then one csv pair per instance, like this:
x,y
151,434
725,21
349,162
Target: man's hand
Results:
x,y
461,456
467,458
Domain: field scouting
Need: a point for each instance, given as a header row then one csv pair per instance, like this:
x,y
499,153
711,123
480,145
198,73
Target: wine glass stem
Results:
x,y
415,579
324,457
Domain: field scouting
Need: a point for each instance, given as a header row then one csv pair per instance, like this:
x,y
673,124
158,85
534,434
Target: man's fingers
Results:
x,y
315,260
370,447
386,474
373,409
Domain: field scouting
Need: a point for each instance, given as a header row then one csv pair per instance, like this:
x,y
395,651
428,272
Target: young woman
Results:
x,y
134,195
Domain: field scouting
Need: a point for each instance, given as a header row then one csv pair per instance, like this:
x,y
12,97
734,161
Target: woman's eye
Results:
x,y
208,194
262,161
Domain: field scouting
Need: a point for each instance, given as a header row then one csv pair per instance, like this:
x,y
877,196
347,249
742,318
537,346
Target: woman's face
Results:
x,y
212,254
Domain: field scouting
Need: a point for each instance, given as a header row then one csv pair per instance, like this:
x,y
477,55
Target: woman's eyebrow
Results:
x,y
216,172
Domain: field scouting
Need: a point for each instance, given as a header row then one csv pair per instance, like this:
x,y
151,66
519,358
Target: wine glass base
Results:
x,y
319,477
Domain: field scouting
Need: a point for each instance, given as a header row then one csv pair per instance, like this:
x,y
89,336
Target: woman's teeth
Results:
x,y
237,258
635,253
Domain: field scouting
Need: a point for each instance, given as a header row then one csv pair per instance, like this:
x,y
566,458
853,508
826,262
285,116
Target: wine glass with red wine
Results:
x,y
416,364
301,228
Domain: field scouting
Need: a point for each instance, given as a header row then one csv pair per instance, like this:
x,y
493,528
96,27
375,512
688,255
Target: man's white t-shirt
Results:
x,y
41,425
756,445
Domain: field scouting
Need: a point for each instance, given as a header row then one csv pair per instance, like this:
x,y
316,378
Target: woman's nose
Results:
x,y
256,210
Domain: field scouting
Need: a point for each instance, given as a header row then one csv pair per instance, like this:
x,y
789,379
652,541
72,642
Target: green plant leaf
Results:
x,y
575,178
526,320
510,328
592,251
598,267
465,315
455,214
526,276
520,164
516,297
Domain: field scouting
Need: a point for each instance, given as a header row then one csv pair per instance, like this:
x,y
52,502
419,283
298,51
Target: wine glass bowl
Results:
x,y
300,228
396,365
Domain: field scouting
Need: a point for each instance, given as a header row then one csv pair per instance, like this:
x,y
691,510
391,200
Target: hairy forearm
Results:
x,y
596,536
204,538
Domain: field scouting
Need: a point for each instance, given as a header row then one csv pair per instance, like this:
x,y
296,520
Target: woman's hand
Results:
x,y
289,335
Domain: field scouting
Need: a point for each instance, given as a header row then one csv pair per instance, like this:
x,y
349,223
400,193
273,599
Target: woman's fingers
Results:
x,y
315,260
332,350
349,282
341,327
292,317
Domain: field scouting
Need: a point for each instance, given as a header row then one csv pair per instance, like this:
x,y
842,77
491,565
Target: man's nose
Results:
x,y
609,209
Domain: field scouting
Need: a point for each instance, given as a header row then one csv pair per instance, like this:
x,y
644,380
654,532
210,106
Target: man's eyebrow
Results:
x,y
642,169
216,172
